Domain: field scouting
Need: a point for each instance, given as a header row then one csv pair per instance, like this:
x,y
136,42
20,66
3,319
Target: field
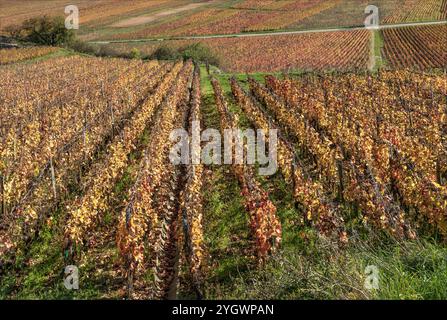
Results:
x,y
417,47
344,50
112,19
91,12
119,160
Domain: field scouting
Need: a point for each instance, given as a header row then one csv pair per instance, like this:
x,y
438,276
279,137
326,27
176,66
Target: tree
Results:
x,y
43,30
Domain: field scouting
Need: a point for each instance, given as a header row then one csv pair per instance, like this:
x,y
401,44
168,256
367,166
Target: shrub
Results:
x,y
107,51
197,52
83,47
164,53
135,53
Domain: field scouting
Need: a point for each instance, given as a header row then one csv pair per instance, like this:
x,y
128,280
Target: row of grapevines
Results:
x,y
307,192
191,198
141,221
264,223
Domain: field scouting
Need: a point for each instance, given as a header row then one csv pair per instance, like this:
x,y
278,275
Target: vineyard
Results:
x,y
114,159
15,55
344,50
71,147
113,20
85,168
366,148
232,20
416,47
416,11
91,13
235,17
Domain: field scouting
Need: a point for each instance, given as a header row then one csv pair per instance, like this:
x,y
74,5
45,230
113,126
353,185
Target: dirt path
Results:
x,y
135,21
372,53
262,34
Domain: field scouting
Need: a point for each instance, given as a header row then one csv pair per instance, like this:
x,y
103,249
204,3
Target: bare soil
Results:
x,y
135,21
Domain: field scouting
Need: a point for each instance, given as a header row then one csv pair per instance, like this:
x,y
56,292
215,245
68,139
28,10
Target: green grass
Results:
x,y
407,270
378,46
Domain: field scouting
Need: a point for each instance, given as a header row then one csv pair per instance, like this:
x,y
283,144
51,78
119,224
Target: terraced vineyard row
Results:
x,y
15,55
309,193
412,47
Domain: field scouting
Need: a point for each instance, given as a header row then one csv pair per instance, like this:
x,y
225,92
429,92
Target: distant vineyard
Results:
x,y
257,16
264,223
16,55
235,20
350,13
91,12
344,50
416,47
293,15
99,18
414,10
